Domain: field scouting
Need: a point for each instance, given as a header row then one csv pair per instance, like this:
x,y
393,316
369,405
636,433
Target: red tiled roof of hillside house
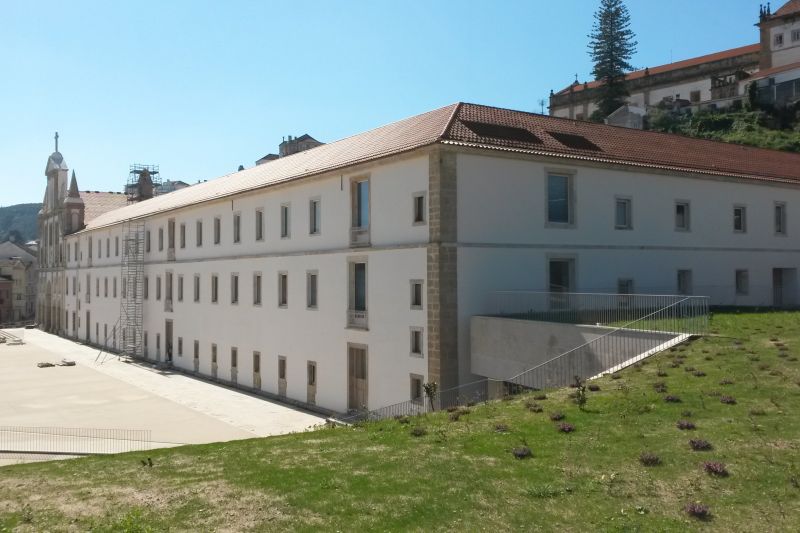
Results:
x,y
791,7
98,203
489,128
718,56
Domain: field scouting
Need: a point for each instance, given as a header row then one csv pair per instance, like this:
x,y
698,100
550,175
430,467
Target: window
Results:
x,y
682,220
180,346
160,239
214,288
416,387
124,292
311,289
237,223
779,39
213,354
108,247
416,341
684,282
259,224
180,288
217,229
559,199
168,289
314,213
283,289
624,286
780,218
196,350
284,221
158,287
146,243
742,282
357,310
622,214
196,288
694,96
256,363
234,357
281,367
795,36
257,288
360,204
739,218
99,248
183,235
234,288
105,287
416,294
116,247
199,232
97,287
419,208
312,373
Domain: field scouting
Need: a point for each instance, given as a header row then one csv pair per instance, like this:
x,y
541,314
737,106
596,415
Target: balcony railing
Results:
x,y
356,319
359,236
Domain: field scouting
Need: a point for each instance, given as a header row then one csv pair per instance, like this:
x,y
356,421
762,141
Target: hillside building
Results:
x,y
18,265
346,276
717,80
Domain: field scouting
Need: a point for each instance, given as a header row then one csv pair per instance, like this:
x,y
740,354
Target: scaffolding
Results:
x,y
144,181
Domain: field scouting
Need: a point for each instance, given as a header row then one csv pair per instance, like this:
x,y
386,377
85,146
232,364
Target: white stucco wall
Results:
x,y
789,52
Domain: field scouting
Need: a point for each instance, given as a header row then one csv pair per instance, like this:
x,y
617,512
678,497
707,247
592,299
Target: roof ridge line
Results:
x,y
450,121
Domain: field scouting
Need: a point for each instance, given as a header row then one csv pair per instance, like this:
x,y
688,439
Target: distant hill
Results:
x,y
19,221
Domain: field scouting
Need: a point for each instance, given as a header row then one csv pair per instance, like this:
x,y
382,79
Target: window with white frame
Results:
x,y
259,224
682,216
739,219
416,387
742,282
419,208
283,289
780,218
257,288
314,214
311,289
623,211
416,342
795,36
560,199
285,229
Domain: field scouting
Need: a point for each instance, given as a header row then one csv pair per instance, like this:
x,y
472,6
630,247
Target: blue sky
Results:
x,y
200,87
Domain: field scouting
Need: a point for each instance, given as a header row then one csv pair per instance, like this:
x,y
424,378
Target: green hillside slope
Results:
x,y
19,221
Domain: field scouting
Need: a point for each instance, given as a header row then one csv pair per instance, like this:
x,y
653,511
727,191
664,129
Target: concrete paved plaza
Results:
x,y
108,393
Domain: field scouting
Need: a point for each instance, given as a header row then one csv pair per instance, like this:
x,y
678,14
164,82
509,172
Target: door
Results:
x,y
168,340
777,287
561,273
784,287
357,378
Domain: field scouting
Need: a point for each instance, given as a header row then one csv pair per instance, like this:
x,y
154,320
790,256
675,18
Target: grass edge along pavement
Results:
x,y
723,454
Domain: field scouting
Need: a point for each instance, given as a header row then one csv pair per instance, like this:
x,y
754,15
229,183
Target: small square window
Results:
x,y
420,210
416,342
682,216
622,213
416,294
742,282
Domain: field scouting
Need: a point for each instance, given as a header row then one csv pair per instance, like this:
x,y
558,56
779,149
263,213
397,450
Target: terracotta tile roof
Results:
x,y
718,56
98,203
495,129
789,8
774,70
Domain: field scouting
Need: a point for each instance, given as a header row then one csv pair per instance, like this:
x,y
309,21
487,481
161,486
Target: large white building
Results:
x,y
716,80
346,276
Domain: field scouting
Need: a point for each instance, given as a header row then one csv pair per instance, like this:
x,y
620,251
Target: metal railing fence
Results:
x,y
618,344
45,443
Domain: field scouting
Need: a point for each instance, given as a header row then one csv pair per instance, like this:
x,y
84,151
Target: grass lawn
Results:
x,y
462,475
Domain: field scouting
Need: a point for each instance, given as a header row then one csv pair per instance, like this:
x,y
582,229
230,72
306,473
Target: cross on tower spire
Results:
x,y
56,137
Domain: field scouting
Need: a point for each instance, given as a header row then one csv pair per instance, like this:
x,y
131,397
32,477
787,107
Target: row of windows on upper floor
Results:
x,y
359,228
561,209
794,35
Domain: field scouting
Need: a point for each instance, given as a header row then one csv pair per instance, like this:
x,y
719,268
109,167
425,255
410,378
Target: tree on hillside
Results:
x,y
611,46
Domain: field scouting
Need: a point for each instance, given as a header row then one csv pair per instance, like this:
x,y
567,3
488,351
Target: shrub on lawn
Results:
x,y
699,374
757,411
726,381
533,406
662,374
669,398
685,424
565,427
660,387
540,397
454,416
501,428
403,419
522,452
715,468
615,376
689,369
698,510
594,387
700,445
649,459
419,432
730,400
555,417
686,414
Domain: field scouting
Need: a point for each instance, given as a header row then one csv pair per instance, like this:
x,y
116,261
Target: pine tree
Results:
x,y
611,47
